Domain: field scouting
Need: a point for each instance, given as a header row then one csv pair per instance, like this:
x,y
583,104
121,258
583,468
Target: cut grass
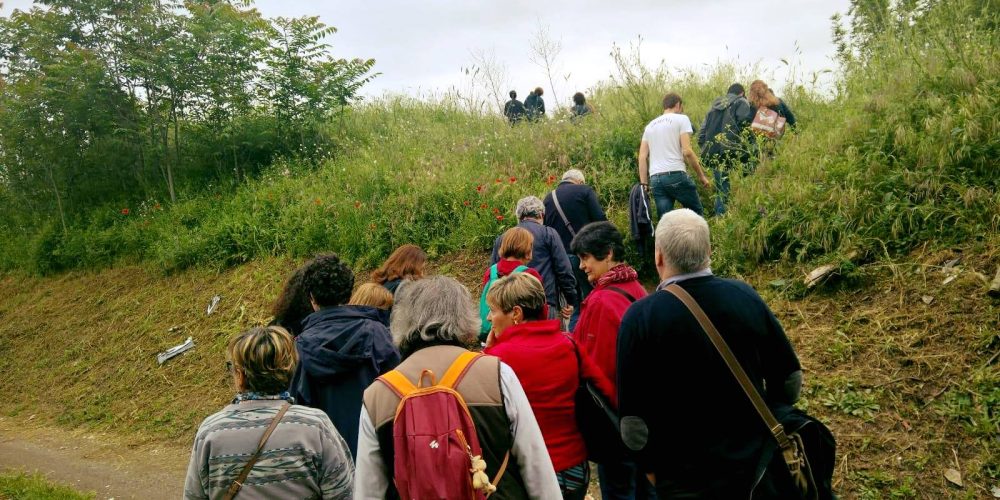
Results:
x,y
21,486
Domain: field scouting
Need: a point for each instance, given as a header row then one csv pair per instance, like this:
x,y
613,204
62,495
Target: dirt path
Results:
x,y
94,463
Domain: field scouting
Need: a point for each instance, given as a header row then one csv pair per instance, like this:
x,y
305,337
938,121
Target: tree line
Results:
x,y
112,101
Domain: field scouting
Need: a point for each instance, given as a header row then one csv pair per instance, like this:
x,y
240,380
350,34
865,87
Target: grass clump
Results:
x,y
22,486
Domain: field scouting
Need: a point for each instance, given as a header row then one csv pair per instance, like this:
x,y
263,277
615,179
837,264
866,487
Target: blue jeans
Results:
x,y
722,166
624,481
721,189
674,186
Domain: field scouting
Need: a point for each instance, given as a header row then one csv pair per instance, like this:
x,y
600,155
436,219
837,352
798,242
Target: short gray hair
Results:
x,y
574,175
682,237
529,206
433,310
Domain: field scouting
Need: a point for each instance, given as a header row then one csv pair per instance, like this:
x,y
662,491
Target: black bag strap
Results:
x,y
238,483
777,430
555,199
627,295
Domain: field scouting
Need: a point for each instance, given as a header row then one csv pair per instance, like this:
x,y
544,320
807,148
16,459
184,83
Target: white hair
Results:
x,y
435,310
682,237
529,206
574,175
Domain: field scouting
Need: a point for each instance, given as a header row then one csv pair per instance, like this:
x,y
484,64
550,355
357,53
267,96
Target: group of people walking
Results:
x,y
533,107
665,151
329,396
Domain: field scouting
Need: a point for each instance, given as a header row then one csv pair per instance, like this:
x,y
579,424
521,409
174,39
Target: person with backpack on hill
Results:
x,y
534,105
342,348
513,109
515,251
570,206
548,257
721,140
492,429
550,369
664,154
301,454
600,249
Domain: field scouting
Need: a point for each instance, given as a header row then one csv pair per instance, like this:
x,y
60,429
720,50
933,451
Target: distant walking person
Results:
x,y
301,456
548,257
665,148
580,106
569,207
513,110
342,349
534,105
662,350
721,141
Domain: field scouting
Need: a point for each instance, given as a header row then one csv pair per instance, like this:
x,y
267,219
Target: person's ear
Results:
x,y
517,314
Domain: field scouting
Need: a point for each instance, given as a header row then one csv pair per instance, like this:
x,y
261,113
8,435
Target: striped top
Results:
x,y
305,457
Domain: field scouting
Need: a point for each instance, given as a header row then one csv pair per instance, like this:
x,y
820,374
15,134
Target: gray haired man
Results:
x,y
663,352
548,257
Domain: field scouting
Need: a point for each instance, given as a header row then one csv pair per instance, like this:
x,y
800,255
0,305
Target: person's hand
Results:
x,y
566,312
704,181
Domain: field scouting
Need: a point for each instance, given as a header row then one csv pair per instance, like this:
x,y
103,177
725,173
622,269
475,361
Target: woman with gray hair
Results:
x,y
548,257
433,320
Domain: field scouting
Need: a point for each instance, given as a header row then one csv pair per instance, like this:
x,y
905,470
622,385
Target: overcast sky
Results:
x,y
420,47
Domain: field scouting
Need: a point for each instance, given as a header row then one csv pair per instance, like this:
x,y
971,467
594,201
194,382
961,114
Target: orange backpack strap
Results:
x,y
398,382
458,369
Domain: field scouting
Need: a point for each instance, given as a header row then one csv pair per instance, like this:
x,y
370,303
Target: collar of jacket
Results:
x,y
530,328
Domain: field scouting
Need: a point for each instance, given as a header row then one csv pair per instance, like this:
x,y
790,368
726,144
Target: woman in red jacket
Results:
x,y
544,359
616,286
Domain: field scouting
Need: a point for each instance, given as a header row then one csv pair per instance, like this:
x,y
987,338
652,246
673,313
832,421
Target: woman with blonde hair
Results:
x,y
550,369
262,444
373,295
407,262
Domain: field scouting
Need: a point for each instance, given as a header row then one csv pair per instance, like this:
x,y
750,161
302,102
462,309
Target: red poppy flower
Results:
x,y
318,201
357,204
157,206
125,211
499,217
552,178
479,188
513,180
483,205
498,180
467,203
496,210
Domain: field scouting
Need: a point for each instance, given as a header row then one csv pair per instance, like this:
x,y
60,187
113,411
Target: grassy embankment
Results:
x,y
891,180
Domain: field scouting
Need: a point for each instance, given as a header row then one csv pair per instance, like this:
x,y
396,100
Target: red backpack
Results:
x,y
436,447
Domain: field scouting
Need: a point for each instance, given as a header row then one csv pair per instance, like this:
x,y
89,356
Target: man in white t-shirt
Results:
x,y
666,144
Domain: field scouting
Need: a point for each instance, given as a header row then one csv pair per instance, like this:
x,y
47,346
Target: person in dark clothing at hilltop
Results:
x,y
709,444
342,348
720,138
513,110
580,106
534,105
579,203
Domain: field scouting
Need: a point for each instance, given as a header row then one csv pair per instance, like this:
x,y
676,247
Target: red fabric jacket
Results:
x,y
597,329
505,267
544,361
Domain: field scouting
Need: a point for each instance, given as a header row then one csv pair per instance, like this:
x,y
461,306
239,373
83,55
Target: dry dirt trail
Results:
x,y
94,463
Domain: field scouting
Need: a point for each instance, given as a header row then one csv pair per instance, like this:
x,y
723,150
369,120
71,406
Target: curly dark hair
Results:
x,y
328,280
599,239
579,99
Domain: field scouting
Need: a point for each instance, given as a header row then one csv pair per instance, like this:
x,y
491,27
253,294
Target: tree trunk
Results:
x,y
55,189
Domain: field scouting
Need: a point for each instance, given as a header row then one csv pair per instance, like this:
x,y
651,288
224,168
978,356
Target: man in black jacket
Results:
x,y
709,441
548,257
569,207
342,348
534,105
513,110
720,138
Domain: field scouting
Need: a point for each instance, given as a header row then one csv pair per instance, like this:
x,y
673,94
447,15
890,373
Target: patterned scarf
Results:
x,y
254,396
618,274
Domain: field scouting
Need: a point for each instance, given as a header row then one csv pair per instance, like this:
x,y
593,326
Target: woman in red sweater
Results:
x,y
545,361
616,286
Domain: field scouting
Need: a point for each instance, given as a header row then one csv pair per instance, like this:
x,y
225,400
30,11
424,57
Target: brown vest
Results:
x,y
480,388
